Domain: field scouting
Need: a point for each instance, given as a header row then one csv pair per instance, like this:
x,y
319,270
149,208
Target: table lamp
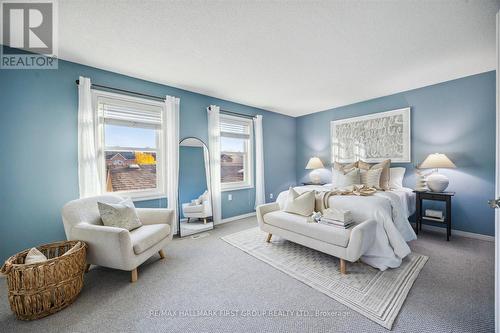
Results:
x,y
437,182
314,163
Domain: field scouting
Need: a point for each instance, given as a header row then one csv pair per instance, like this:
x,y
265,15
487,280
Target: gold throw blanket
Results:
x,y
321,200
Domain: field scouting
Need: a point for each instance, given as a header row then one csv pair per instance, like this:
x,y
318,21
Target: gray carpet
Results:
x,y
207,285
377,295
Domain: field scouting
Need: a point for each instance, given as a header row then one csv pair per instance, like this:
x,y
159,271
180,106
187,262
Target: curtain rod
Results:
x,y
161,98
236,114
123,90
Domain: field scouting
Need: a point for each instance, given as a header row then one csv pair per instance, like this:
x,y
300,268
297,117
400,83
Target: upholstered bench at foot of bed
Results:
x,y
346,244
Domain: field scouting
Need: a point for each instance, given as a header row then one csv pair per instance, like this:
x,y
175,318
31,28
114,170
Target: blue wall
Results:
x,y
455,117
38,145
192,177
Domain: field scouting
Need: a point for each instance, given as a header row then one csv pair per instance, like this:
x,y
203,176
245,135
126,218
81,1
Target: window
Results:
x,y
236,152
130,145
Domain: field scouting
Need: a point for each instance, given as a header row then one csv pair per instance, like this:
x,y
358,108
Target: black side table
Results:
x,y
311,183
435,196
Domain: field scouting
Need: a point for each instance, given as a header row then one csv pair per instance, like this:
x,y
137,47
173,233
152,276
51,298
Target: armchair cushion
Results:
x,y
148,235
192,208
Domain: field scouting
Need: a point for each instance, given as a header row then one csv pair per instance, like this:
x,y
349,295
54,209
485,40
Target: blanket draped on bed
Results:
x,y
322,197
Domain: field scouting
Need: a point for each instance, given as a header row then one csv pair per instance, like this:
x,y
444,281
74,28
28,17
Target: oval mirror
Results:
x,y
195,200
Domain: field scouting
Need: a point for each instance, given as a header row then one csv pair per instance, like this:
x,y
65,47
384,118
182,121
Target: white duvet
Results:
x,y
389,209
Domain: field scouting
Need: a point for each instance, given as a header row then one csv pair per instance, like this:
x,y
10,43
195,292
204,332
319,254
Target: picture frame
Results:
x,y
372,138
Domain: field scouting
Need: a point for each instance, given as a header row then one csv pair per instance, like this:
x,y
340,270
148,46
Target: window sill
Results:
x,y
149,197
137,196
237,188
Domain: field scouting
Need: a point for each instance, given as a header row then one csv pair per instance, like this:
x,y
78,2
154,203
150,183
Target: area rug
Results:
x,y
374,294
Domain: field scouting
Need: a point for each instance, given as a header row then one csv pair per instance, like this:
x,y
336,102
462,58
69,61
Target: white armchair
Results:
x,y
116,247
201,210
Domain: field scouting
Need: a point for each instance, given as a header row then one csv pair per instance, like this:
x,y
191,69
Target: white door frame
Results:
x,y
497,183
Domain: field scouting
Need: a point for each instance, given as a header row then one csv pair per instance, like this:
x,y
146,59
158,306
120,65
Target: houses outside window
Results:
x,y
130,136
236,152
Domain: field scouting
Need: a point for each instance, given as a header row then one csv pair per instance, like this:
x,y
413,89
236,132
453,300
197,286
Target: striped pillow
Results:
x,y
384,177
371,177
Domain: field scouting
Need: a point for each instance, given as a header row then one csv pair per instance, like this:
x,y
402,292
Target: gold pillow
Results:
x,y
344,166
385,176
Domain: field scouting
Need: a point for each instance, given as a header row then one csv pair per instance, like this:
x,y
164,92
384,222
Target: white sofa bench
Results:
x,y
346,244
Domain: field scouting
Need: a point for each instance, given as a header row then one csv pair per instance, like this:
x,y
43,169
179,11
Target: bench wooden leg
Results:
x,y
268,239
342,266
162,254
133,275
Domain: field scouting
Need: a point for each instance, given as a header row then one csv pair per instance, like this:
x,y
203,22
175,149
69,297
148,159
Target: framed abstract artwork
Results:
x,y
372,138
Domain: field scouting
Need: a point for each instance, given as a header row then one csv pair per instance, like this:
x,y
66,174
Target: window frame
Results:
x,y
137,195
248,163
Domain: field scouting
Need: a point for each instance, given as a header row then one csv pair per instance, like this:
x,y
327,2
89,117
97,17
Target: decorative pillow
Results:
x,y
371,177
301,204
120,215
345,178
344,166
397,175
34,255
73,249
384,177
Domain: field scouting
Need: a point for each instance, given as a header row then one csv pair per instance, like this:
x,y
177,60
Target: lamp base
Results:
x,y
315,177
437,182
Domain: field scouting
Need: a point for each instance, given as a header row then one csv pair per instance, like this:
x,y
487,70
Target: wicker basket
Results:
x,y
41,289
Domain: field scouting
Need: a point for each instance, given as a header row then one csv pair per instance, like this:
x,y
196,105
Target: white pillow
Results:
x,y
301,204
347,178
397,175
34,255
371,177
120,215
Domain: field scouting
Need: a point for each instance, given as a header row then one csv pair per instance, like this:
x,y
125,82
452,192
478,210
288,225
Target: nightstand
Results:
x,y
434,196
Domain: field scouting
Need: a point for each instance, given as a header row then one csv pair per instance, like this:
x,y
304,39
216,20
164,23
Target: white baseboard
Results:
x,y
237,217
455,232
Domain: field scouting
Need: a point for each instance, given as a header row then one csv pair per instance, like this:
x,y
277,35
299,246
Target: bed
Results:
x,y
390,209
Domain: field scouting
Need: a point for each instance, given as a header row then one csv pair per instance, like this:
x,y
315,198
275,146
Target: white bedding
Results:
x,y
390,209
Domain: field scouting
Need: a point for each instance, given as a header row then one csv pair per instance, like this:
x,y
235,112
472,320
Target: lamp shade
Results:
x,y
314,163
435,161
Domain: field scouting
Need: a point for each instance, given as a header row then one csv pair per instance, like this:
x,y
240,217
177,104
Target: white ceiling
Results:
x,y
292,57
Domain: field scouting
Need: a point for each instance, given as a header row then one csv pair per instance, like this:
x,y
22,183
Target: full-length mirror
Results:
x,y
195,200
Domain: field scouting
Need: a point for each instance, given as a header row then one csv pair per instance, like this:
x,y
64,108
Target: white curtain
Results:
x,y
260,187
206,159
214,148
88,173
171,135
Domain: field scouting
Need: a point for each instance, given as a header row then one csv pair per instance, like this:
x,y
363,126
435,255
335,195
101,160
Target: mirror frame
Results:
x,y
179,188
